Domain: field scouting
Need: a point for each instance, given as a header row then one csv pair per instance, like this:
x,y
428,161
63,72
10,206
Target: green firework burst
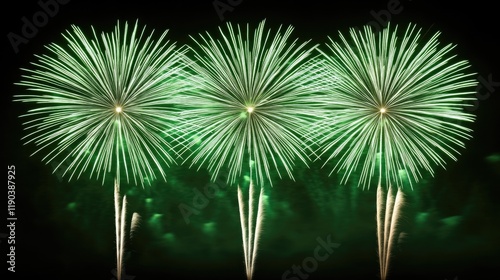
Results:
x,y
398,104
253,101
103,103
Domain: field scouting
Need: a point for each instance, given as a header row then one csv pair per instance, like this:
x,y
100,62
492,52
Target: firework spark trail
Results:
x,y
244,231
392,231
389,204
134,224
122,234
380,231
250,231
120,224
117,229
120,228
258,227
387,225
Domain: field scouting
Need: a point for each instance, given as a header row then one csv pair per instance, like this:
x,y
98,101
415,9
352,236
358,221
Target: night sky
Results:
x,y
450,225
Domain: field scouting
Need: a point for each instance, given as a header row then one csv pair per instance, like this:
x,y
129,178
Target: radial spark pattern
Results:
x,y
398,101
253,103
103,103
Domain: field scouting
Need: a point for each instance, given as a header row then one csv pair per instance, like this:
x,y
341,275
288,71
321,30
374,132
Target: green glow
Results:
x,y
422,218
149,205
147,180
155,223
494,158
75,84
209,228
132,192
265,199
452,221
169,237
403,176
71,206
449,225
155,218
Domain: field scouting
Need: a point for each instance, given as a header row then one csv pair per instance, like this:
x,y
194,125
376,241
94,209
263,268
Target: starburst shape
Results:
x,y
103,103
253,102
397,107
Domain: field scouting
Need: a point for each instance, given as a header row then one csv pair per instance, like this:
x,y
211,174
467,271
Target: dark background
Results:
x,y
451,224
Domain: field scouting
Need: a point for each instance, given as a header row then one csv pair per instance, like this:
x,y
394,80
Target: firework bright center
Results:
x,y
118,109
383,110
250,109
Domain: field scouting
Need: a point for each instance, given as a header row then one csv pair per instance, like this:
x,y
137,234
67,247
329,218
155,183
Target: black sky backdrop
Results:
x,y
458,239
